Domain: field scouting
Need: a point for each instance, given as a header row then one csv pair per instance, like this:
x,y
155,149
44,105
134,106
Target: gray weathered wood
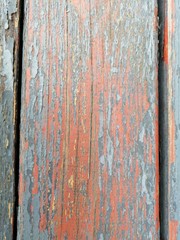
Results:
x,y
170,119
9,42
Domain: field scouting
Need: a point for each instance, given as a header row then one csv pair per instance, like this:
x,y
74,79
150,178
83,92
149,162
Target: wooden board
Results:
x,y
89,121
9,51
170,121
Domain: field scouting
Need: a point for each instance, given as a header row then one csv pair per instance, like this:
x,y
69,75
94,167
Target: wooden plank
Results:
x,y
89,121
9,48
170,121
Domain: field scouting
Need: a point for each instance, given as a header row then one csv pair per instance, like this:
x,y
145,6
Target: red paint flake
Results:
x,y
26,145
43,223
172,133
35,176
173,16
173,229
28,79
21,188
166,41
156,19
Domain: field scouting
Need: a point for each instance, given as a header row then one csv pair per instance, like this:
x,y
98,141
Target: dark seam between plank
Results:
x,y
17,92
163,126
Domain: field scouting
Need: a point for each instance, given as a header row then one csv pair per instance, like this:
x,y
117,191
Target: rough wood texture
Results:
x,y
170,121
9,26
89,121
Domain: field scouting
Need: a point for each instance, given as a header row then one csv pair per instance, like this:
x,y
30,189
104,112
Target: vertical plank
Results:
x,y
170,131
89,121
9,48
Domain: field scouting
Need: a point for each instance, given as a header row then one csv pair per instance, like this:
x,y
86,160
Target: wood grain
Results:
x,y
170,121
9,52
89,121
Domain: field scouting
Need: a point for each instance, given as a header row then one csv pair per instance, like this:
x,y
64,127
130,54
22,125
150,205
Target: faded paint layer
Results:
x,y
89,121
9,21
174,50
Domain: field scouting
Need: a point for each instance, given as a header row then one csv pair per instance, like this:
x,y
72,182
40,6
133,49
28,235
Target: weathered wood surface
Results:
x,y
9,47
89,121
170,121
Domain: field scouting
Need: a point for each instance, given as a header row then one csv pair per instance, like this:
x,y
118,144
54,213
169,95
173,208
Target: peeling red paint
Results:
x,y
166,42
173,229
28,78
94,137
172,137
35,176
173,19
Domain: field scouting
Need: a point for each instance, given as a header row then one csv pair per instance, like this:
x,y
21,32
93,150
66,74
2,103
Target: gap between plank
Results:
x,y
163,126
17,93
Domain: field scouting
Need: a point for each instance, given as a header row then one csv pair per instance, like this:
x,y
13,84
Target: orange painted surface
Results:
x,y
89,130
